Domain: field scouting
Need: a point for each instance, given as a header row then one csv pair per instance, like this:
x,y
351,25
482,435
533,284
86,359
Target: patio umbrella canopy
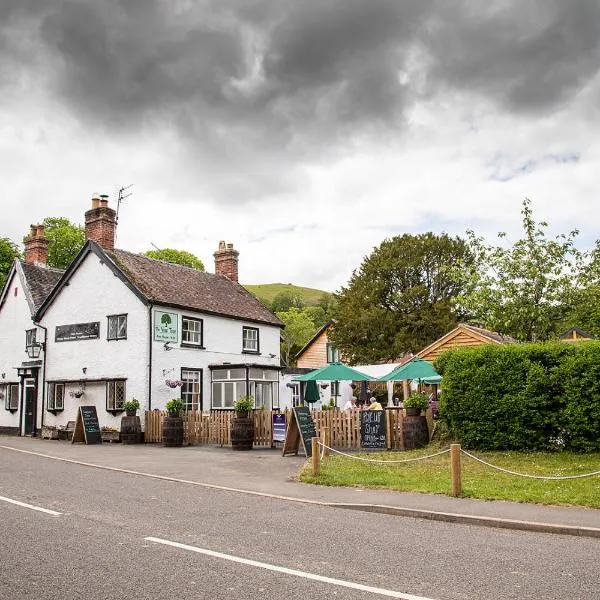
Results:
x,y
417,368
334,372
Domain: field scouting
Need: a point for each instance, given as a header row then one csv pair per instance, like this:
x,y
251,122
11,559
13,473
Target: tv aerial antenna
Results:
x,y
123,195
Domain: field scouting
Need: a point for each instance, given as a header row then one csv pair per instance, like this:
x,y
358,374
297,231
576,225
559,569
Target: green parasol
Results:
x,y
334,372
311,393
417,368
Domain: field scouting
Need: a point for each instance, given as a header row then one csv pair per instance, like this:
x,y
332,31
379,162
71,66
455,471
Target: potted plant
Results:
x,y
415,403
173,424
131,407
242,425
131,427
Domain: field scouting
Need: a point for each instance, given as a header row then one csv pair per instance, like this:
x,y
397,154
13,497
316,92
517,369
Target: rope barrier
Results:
x,y
549,478
385,462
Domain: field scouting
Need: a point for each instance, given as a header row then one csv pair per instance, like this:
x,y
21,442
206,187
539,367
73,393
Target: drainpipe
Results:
x,y
43,370
150,357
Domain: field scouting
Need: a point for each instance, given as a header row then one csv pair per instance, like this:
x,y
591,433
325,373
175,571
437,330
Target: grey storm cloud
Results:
x,y
249,78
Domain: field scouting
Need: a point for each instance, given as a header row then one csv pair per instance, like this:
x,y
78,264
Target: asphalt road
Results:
x,y
98,546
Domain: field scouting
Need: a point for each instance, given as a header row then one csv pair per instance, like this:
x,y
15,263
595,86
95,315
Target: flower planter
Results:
x,y
172,432
242,432
110,436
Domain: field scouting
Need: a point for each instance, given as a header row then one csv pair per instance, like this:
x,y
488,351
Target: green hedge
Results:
x,y
523,396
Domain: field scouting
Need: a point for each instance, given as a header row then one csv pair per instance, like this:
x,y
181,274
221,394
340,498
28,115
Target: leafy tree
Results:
x,y
317,315
401,297
329,304
177,257
66,240
8,252
283,301
299,328
525,290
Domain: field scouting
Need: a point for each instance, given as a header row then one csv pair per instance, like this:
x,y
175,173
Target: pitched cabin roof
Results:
x,y
463,335
313,338
576,335
158,282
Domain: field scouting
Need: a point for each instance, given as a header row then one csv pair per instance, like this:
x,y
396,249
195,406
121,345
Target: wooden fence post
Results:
x,y
326,440
316,456
455,469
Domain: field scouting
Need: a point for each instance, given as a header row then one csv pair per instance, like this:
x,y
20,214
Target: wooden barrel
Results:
x,y
415,432
242,433
172,432
131,430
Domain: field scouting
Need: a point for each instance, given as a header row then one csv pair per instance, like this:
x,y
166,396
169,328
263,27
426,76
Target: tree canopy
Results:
x,y
8,252
401,297
524,290
66,240
285,300
177,257
299,328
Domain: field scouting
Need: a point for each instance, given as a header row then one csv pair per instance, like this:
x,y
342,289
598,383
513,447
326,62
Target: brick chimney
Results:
x,y
36,246
100,223
226,261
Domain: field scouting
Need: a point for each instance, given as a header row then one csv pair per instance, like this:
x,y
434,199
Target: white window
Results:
x,y
191,332
117,327
10,393
115,395
191,389
333,354
56,396
250,342
228,386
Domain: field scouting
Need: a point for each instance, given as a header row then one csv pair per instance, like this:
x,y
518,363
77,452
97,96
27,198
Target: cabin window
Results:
x,y
117,327
250,340
56,396
115,394
191,332
333,354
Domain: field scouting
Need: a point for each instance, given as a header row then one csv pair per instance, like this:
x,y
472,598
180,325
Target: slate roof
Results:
x,y
175,285
40,281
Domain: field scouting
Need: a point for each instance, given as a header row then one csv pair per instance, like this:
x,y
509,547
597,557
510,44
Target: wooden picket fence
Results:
x,y
215,427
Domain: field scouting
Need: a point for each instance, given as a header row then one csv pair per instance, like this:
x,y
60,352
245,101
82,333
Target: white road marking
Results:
x,y
31,506
313,576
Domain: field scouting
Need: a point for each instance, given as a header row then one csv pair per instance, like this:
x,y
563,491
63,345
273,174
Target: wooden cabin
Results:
x,y
318,351
463,336
576,335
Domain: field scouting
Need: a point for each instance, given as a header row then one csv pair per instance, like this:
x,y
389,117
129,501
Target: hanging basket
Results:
x,y
173,383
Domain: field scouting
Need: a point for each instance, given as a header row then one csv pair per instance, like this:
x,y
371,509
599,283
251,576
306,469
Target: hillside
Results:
x,y
267,291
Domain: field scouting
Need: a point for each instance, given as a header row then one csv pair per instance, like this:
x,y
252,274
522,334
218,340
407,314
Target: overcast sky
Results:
x,y
305,132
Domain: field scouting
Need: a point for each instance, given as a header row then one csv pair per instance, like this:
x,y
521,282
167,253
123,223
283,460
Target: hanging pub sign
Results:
x,y
165,326
77,331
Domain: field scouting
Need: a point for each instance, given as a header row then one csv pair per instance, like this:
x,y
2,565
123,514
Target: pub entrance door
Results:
x,y
29,405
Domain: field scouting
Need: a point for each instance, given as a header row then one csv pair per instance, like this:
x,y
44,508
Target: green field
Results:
x,y
268,291
479,481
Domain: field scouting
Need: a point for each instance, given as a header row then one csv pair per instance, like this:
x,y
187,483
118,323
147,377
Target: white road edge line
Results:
x,y
286,571
31,506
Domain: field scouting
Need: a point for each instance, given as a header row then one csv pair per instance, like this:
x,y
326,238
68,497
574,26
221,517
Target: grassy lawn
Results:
x,y
478,481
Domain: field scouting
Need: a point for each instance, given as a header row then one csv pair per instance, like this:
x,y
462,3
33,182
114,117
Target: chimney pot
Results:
x,y
36,246
95,201
226,261
100,223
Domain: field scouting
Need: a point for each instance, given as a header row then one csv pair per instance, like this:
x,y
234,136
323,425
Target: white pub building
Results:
x,y
119,325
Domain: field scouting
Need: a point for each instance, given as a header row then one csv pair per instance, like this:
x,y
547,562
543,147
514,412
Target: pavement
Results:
x,y
265,472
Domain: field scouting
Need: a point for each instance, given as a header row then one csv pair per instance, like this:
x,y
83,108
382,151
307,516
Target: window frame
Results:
x,y
335,389
30,337
200,382
116,337
8,388
245,350
112,384
332,353
52,387
187,343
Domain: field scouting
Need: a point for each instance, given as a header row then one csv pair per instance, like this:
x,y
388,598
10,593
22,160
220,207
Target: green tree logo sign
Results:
x,y
166,319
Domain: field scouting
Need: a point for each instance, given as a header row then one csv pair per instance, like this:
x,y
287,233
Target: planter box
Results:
x,y
49,433
110,436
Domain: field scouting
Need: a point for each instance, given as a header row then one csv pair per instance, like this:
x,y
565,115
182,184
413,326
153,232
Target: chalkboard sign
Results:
x,y
87,428
300,429
372,429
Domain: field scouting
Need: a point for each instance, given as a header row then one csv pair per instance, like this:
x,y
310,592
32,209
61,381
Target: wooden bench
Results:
x,y
65,432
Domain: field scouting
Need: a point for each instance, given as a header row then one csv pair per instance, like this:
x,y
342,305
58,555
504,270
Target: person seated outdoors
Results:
x,y
351,404
375,405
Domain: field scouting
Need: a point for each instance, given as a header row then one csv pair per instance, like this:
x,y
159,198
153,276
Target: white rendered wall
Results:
x,y
15,319
222,343
93,293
